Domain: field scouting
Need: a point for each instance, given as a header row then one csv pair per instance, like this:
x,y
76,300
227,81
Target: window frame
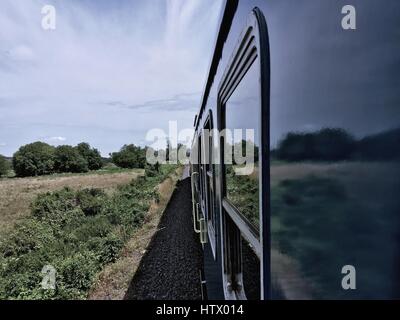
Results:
x,y
253,47
210,203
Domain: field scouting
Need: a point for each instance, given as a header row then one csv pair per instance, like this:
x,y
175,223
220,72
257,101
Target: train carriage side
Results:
x,y
317,216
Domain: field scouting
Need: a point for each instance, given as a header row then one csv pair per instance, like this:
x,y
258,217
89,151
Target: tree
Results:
x,y
130,156
92,156
324,145
34,159
68,159
4,166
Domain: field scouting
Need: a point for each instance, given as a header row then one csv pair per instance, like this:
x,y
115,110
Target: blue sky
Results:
x,y
111,71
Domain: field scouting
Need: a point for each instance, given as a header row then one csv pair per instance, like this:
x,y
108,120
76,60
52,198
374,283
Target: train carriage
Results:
x,y
316,86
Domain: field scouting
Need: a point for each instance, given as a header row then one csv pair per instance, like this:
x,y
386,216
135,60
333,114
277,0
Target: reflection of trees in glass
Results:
x,y
326,144
335,144
240,151
242,191
381,146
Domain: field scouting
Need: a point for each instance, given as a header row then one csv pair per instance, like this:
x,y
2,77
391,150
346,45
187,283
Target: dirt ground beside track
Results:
x,y
170,269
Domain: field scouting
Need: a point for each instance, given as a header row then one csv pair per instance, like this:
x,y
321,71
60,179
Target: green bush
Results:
x,y
79,270
27,236
4,166
107,248
77,233
91,201
92,156
130,156
34,159
68,159
57,208
92,227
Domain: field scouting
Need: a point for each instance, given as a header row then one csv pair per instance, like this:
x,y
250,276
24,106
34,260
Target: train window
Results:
x,y
335,156
242,116
241,202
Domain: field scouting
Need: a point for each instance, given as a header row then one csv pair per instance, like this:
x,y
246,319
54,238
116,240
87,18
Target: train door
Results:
x,y
209,169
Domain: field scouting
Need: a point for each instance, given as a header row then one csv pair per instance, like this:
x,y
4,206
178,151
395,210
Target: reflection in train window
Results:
x,y
335,154
242,112
241,119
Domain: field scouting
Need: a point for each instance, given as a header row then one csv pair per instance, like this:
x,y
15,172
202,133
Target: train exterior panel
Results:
x,y
316,83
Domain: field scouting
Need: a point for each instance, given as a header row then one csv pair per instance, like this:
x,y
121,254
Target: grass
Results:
x,y
325,216
76,232
16,194
114,280
243,192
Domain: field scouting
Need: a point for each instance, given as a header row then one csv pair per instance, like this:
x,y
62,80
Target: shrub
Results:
x,y
107,248
130,156
110,248
57,208
90,201
93,227
152,170
27,236
4,166
34,159
78,270
68,159
77,233
92,156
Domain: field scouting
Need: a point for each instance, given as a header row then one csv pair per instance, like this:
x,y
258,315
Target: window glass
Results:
x,y
335,150
242,112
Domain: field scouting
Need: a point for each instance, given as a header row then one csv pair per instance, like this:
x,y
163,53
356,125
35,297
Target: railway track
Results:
x,y
170,268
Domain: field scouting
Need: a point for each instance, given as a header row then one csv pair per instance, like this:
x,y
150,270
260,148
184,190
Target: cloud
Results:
x,y
184,101
2,144
109,67
56,139
20,53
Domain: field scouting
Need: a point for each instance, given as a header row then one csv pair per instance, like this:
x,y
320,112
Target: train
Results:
x,y
313,88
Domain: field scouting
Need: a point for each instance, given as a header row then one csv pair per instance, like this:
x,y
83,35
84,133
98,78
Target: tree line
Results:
x,y
336,144
39,158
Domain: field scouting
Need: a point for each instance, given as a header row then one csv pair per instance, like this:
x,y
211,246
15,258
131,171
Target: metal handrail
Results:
x,y
195,206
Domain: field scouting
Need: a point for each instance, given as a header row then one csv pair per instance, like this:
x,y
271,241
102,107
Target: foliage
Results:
x,y
34,159
92,156
324,145
130,156
68,159
4,166
380,147
243,192
91,201
77,232
39,158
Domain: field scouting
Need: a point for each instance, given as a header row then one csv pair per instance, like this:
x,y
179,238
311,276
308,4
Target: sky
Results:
x,y
110,71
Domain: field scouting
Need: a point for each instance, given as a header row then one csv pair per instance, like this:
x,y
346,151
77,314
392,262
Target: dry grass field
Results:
x,y
16,194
